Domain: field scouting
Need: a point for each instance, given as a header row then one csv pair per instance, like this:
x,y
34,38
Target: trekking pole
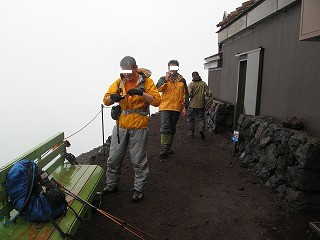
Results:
x,y
129,225
120,222
102,212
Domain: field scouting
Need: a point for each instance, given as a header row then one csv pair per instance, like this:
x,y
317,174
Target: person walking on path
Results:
x,y
198,91
174,101
134,91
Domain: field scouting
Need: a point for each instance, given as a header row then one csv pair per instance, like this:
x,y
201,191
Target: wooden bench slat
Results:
x,y
65,172
47,159
33,231
55,165
15,231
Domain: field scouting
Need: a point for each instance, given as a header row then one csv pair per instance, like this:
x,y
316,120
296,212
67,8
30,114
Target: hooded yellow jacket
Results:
x,y
130,117
174,94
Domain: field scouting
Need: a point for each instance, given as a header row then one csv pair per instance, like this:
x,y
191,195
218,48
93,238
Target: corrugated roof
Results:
x,y
227,18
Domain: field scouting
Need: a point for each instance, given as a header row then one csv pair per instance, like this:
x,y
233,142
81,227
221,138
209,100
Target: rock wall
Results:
x,y
287,160
221,119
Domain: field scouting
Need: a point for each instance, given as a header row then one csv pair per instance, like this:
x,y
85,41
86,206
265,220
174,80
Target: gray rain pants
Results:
x,y
192,114
169,121
136,140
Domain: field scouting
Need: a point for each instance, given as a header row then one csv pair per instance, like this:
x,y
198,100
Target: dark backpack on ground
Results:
x,y
25,187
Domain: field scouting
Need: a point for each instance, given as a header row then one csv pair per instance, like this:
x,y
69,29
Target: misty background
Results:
x,y
58,58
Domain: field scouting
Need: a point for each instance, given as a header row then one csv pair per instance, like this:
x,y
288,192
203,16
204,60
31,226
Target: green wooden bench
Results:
x,y
83,180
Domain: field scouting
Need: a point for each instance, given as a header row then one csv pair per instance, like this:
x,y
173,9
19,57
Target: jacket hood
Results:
x,y
145,73
196,79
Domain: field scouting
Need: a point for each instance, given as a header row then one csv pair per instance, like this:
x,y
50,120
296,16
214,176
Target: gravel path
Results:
x,y
199,192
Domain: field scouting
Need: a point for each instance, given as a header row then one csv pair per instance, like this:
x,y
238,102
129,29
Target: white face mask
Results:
x,y
127,74
126,71
173,69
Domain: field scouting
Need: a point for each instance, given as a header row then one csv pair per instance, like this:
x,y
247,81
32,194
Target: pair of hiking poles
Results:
x,y
131,229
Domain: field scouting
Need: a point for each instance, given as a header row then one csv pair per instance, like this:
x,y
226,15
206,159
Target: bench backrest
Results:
x,y
48,155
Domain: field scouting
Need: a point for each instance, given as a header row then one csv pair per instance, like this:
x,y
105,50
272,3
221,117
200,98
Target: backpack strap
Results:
x,y
120,86
139,111
56,226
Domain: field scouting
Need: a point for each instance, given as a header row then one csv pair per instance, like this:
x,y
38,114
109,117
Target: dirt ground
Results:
x,y
199,192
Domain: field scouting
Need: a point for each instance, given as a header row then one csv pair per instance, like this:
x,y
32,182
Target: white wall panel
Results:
x,y
263,10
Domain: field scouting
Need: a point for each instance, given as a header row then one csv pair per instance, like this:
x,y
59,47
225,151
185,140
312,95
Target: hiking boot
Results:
x,y
165,151
137,196
110,189
170,151
203,137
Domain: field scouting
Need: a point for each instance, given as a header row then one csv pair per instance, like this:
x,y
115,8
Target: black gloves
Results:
x,y
116,97
135,91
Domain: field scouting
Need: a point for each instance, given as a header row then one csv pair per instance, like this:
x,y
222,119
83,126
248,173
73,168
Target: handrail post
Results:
x,y
104,152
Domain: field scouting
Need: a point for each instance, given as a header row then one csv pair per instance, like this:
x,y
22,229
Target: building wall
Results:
x,y
214,82
291,69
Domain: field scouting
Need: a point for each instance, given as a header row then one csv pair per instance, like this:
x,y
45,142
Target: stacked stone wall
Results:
x,y
287,161
221,119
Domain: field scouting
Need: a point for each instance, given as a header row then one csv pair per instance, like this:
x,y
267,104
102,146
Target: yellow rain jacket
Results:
x,y
174,94
135,109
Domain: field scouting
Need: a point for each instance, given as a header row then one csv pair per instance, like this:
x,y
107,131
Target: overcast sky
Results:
x,y
58,58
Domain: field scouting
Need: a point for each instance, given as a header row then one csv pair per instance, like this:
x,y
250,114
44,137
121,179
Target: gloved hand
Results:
x,y
116,97
135,91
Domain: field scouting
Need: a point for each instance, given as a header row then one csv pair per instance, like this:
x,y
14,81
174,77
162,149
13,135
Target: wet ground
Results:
x,y
199,192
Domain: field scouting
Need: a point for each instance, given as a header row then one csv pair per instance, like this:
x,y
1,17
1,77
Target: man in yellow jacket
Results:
x,y
134,91
174,100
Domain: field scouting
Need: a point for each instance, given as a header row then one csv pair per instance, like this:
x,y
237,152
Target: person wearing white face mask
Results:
x,y
134,91
174,101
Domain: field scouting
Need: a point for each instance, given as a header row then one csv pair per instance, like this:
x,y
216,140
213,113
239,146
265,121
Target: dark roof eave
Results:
x,y
240,15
